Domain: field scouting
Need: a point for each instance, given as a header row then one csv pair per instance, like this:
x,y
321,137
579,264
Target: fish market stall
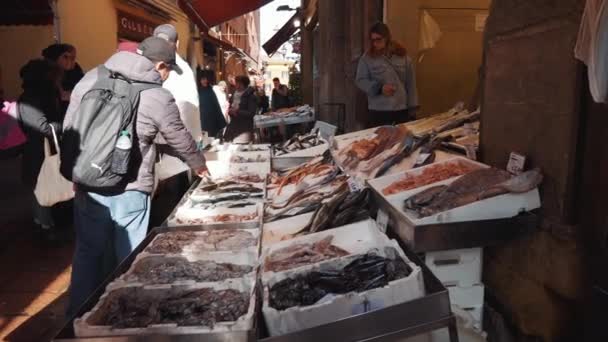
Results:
x,y
285,116
304,248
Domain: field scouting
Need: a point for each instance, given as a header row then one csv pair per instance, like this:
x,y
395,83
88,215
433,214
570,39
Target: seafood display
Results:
x,y
212,240
240,159
201,276
291,112
344,208
472,187
226,194
151,270
132,307
221,218
362,274
315,168
442,122
373,156
431,174
302,254
299,142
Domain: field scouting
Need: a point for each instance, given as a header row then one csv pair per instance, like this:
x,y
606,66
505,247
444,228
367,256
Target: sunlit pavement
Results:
x,y
34,277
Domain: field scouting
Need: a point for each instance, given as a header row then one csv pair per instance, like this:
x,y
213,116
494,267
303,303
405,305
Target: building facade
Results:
x,y
95,28
233,48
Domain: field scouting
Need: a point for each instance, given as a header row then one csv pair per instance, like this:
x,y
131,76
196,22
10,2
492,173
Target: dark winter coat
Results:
x,y
157,117
212,119
280,101
38,108
240,129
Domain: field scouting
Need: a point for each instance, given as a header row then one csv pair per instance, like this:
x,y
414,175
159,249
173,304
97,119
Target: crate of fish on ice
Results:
x,y
317,212
357,238
133,309
314,173
309,198
375,154
228,194
302,145
197,244
221,169
329,291
194,214
479,194
159,269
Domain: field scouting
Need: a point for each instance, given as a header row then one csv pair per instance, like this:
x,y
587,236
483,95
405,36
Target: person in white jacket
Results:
x,y
184,90
222,98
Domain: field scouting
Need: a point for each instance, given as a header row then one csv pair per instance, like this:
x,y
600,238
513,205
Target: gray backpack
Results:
x,y
89,155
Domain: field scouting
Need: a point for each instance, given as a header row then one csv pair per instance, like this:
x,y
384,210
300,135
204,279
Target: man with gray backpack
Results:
x,y
116,112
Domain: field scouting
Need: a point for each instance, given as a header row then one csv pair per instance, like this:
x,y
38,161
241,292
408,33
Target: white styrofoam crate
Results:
x,y
456,267
466,297
282,230
477,313
86,326
379,184
186,215
221,169
332,308
357,238
314,151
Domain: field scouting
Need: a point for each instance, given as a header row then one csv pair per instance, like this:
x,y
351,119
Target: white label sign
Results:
x,y
516,163
382,220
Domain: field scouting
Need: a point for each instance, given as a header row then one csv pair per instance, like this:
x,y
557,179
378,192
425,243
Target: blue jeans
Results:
x,y
108,229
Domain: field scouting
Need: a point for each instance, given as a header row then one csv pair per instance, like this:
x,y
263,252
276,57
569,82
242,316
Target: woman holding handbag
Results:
x,y
39,112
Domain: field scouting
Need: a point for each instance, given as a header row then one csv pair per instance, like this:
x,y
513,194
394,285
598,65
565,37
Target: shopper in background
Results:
x,y
385,73
231,88
73,74
242,110
262,100
182,85
119,219
280,95
170,170
64,55
39,112
212,119
222,99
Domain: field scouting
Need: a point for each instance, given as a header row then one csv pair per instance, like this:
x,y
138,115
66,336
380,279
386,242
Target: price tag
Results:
x,y
516,163
382,220
422,157
355,185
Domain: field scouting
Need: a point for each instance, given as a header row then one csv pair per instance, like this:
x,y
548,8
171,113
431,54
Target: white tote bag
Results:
x,y
51,187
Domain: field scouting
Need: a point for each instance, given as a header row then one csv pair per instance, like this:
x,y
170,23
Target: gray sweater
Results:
x,y
373,73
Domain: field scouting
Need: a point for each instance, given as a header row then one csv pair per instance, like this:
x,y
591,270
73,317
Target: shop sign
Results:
x,y
132,27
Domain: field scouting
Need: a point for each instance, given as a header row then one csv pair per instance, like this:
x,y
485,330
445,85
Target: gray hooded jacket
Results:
x,y
373,73
157,117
